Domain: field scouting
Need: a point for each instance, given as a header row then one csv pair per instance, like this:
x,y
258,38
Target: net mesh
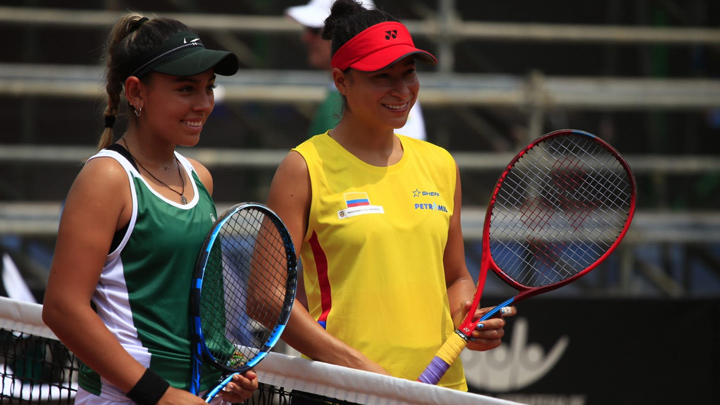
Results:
x,y
560,208
36,368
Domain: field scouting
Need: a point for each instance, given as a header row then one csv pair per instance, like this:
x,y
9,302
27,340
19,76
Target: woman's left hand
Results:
x,y
240,388
489,336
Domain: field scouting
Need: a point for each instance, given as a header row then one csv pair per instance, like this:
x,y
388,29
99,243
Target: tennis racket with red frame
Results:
x,y
559,209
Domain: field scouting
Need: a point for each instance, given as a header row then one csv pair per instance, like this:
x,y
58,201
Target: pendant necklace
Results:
x,y
181,194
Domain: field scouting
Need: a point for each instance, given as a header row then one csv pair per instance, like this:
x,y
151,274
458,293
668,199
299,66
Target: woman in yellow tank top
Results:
x,y
376,216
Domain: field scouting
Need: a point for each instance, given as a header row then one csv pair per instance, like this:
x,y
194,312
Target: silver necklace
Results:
x,y
177,163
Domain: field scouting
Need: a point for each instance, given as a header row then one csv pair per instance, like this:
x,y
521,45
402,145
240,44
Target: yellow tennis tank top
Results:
x,y
373,253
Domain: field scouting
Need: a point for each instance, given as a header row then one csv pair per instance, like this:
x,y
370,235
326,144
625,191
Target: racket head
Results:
x,y
243,289
565,201
562,205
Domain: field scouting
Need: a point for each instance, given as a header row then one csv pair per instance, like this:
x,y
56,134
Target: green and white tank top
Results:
x,y
144,289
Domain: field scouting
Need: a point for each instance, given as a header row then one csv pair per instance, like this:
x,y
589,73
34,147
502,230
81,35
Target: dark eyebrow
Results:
x,y
410,62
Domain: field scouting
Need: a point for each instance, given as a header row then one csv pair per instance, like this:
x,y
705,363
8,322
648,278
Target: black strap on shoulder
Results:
x,y
118,236
124,152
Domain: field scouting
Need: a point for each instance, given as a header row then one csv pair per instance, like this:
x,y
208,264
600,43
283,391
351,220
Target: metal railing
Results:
x,y
294,86
537,94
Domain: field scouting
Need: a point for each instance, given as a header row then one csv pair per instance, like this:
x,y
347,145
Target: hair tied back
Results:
x,y
109,121
139,23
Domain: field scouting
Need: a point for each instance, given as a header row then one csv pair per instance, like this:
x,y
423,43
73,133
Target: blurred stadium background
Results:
x,y
642,74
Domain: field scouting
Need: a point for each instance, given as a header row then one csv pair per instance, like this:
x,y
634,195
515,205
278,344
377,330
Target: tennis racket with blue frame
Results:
x,y
242,292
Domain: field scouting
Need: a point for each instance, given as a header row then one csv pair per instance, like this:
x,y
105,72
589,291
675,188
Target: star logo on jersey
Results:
x,y
429,200
420,193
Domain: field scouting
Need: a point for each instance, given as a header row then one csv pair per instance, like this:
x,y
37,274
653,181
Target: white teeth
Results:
x,y
193,123
396,107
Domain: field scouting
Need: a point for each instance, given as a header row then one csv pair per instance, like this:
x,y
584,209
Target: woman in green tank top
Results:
x,y
134,220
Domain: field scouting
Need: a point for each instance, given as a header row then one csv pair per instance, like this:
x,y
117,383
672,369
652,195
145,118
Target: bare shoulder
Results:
x,y
103,174
293,165
100,193
291,193
291,174
291,181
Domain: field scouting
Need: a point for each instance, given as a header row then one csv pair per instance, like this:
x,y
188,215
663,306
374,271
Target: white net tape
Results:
x,y
279,370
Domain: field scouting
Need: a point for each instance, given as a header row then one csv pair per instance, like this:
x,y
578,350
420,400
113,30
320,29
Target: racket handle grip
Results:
x,y
444,358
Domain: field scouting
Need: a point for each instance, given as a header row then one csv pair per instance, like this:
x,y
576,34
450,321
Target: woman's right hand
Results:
x,y
239,389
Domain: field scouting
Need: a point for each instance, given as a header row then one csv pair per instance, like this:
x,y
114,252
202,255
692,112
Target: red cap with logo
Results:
x,y
378,47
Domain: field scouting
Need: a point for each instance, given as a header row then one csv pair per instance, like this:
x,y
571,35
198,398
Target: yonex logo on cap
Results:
x,y
195,41
391,34
368,52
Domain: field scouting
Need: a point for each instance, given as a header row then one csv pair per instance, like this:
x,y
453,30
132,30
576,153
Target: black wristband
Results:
x,y
149,389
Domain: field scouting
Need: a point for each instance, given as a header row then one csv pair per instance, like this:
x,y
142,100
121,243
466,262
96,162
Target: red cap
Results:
x,y
378,47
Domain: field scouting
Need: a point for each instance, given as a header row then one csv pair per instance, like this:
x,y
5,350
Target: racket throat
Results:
x,y
462,334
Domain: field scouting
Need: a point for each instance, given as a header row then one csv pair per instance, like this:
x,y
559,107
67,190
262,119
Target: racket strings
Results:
x,y
558,210
244,288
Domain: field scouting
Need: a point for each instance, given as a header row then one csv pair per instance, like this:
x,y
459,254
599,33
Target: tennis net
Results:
x,y
36,368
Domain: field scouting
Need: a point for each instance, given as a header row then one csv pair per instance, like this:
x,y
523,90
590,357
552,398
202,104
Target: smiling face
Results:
x,y
382,98
177,107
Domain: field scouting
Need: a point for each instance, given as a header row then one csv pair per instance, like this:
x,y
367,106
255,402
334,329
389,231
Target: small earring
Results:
x,y
138,111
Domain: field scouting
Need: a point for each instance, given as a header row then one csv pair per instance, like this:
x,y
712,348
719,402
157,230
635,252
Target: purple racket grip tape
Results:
x,y
434,371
